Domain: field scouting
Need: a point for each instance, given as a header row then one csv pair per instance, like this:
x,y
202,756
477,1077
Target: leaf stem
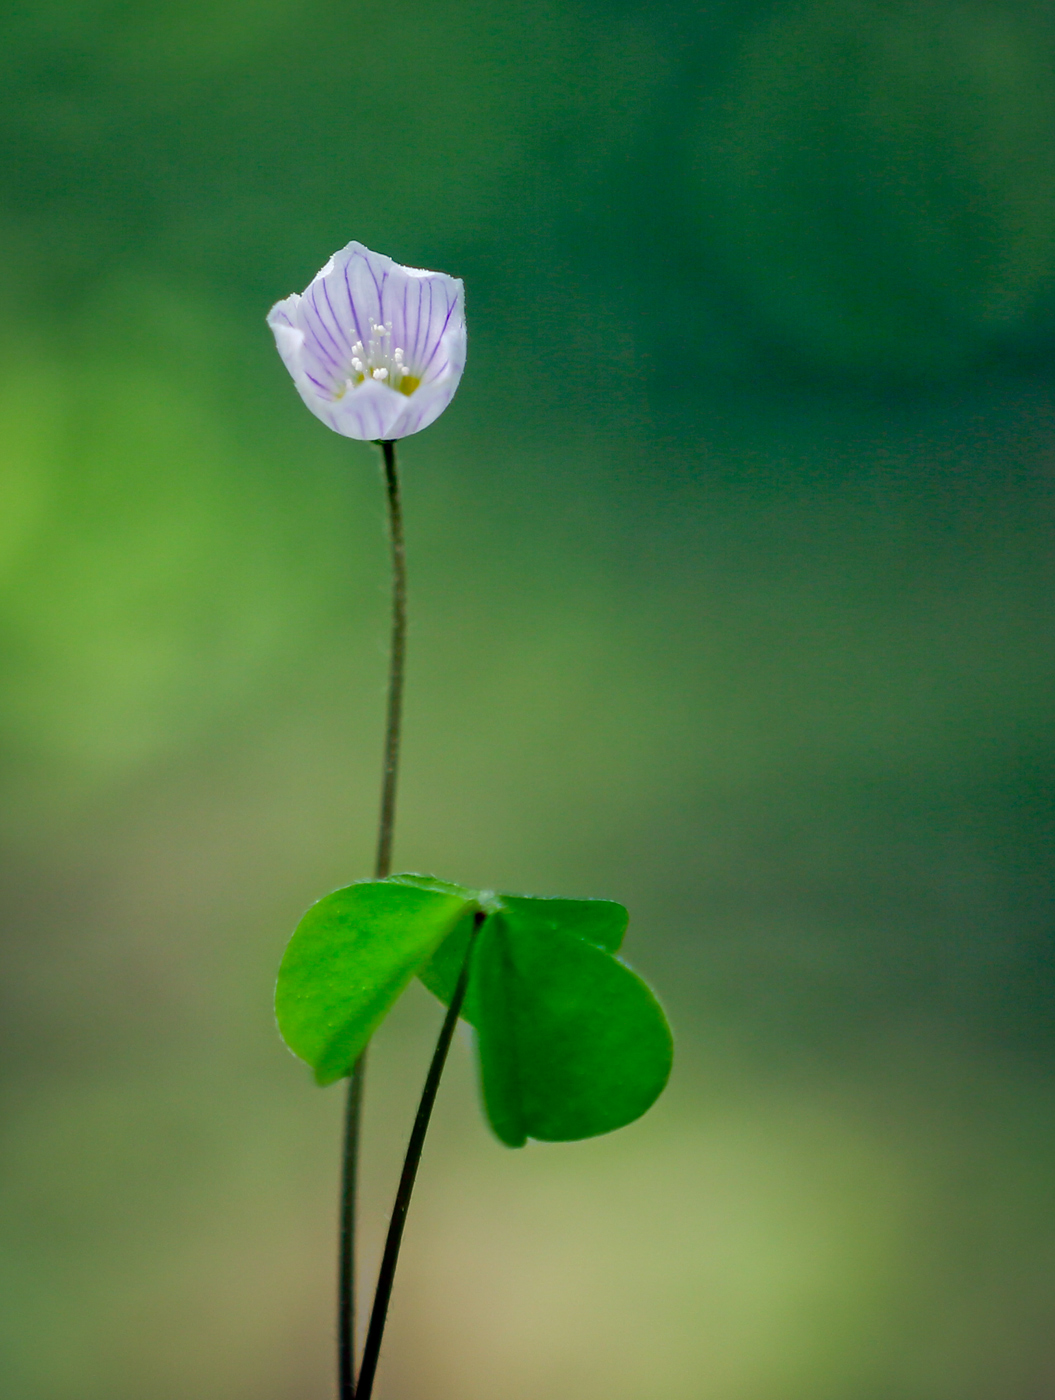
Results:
x,y
386,1275
349,1195
386,828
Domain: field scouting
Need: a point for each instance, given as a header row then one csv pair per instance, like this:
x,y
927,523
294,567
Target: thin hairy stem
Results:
x,y
386,827
387,1273
397,664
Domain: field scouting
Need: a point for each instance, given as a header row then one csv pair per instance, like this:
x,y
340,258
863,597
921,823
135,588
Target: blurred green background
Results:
x,y
732,598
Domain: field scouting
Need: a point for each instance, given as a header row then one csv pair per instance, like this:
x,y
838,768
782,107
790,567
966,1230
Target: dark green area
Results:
x,y
732,600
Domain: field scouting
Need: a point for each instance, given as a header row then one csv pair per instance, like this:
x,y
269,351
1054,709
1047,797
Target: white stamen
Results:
x,y
376,360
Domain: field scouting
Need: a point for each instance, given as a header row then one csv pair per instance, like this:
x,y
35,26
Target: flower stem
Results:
x,y
386,827
387,1273
397,664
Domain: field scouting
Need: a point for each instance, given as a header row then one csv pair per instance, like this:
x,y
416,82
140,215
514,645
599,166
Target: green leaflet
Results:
x,y
571,1041
349,959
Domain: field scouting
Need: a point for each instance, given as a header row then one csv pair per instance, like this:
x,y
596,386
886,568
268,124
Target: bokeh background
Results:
x,y
732,595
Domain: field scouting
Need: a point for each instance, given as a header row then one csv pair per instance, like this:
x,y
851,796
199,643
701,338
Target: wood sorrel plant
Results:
x,y
570,1041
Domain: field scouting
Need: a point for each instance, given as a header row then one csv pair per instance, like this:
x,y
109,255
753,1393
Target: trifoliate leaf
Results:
x,y
349,959
571,1042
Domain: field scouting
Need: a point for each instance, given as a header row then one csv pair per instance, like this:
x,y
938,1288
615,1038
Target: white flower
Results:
x,y
375,349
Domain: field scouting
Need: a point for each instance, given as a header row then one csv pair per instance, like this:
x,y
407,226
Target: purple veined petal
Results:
x,y
301,352
425,406
360,289
327,341
320,357
364,307
372,408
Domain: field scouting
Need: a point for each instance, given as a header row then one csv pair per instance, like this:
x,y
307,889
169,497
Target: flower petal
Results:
x,y
370,412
